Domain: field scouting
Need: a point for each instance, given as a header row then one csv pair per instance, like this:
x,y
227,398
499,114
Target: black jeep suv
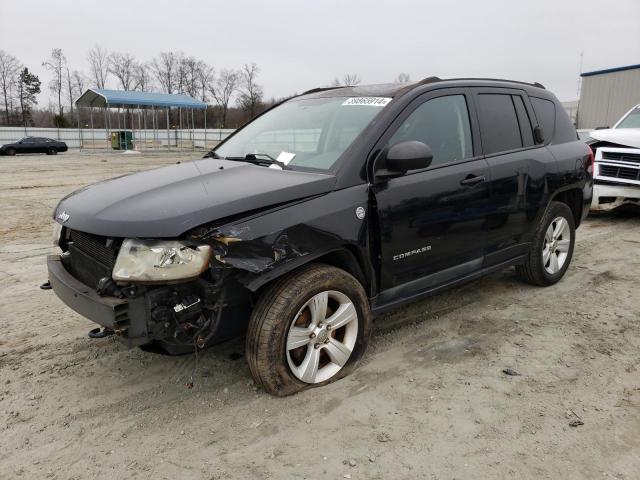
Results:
x,y
329,208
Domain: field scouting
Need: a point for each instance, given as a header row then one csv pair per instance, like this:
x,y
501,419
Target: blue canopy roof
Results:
x,y
100,97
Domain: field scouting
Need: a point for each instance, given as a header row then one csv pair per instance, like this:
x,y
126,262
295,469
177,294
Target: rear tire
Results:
x,y
52,151
317,314
552,248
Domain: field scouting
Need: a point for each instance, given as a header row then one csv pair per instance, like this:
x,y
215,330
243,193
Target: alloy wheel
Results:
x,y
322,337
557,241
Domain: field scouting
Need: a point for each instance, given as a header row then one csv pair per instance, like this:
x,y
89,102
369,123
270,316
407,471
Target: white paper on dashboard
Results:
x,y
286,157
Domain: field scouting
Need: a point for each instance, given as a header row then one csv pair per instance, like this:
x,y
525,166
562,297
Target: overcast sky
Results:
x,y
302,44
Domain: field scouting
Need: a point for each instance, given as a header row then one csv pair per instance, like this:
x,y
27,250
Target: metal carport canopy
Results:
x,y
100,97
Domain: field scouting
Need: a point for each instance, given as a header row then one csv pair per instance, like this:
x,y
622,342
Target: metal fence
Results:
x,y
100,138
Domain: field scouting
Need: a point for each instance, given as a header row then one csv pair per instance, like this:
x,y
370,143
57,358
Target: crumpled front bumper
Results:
x,y
125,317
616,178
608,197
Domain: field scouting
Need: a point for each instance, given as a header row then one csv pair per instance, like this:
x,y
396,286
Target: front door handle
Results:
x,y
472,180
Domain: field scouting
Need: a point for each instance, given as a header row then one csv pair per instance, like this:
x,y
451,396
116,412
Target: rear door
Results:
x,y
518,168
40,145
431,221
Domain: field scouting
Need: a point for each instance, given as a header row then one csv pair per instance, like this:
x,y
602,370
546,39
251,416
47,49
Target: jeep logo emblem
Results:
x,y
63,216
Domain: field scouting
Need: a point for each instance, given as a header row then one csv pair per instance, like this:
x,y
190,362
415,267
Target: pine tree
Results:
x,y
28,88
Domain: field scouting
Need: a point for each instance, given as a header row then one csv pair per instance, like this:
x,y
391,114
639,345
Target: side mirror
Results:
x,y
405,156
538,135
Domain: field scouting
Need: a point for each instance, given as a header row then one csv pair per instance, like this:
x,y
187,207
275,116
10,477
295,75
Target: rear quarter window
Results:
x,y
546,114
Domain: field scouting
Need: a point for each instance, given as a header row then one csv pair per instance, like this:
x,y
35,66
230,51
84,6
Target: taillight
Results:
x,y
591,163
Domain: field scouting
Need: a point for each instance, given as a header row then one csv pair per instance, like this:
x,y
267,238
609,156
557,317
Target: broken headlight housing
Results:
x,y
56,234
157,261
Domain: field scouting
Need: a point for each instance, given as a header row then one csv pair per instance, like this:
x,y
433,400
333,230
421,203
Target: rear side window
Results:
x,y
498,123
443,124
546,115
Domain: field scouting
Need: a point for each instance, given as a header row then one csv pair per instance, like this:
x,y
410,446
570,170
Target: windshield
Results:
x,y
632,120
309,133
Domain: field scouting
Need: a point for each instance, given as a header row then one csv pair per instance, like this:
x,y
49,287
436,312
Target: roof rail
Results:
x,y
534,84
320,89
427,80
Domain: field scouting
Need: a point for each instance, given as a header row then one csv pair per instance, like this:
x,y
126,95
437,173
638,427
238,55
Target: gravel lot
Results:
x,y
429,401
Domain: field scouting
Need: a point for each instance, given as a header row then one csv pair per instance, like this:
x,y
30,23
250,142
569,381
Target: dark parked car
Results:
x,y
33,145
326,210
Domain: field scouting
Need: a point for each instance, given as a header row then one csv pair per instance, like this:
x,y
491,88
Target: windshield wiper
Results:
x,y
259,159
211,154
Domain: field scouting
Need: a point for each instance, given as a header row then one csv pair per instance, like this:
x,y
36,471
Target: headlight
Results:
x,y
57,232
160,261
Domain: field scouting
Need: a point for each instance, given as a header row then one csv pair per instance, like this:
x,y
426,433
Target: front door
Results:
x,y
432,221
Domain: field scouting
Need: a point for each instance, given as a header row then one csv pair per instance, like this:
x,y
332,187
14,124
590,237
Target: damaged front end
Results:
x,y
178,315
616,176
617,163
163,292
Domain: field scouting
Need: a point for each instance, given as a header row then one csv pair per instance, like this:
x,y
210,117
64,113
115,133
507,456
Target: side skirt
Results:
x,y
380,308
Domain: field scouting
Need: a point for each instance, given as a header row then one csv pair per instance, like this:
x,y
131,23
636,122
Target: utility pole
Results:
x,y
579,75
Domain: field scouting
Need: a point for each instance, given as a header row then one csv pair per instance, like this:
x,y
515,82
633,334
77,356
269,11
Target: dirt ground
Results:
x,y
429,400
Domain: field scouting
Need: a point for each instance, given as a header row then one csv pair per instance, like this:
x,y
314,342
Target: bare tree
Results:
x,y
165,69
403,78
251,93
79,81
351,79
188,76
70,88
56,65
204,79
99,65
142,77
348,80
123,67
223,89
9,68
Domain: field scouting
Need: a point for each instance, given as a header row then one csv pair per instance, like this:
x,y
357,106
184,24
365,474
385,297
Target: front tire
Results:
x,y
52,151
308,329
11,152
552,248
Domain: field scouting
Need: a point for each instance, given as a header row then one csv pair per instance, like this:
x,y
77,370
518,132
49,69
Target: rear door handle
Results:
x,y
472,180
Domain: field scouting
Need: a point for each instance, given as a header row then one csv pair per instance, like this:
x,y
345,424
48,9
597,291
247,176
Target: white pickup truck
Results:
x,y
617,163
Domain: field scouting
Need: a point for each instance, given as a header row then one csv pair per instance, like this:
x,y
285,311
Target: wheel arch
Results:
x,y
573,198
344,258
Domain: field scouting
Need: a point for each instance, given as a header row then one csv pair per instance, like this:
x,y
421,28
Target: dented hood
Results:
x,y
168,201
628,137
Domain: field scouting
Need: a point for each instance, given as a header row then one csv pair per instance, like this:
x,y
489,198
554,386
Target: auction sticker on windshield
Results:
x,y
369,101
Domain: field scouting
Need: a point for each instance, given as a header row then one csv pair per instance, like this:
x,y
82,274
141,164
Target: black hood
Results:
x,y
168,201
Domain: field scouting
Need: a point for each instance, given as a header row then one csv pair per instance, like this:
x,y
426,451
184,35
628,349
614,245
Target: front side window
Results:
x,y
310,133
632,120
443,124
